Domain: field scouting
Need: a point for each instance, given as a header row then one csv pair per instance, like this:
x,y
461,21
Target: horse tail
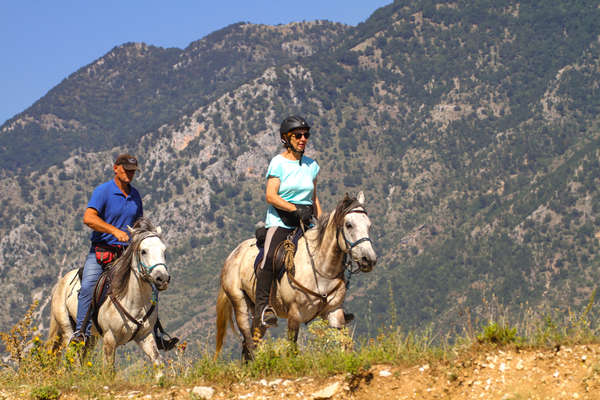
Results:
x,y
224,317
55,334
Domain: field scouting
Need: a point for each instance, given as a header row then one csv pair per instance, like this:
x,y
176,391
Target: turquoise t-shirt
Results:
x,y
296,183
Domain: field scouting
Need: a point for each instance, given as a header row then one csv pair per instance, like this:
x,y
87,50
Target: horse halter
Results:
x,y
144,269
350,245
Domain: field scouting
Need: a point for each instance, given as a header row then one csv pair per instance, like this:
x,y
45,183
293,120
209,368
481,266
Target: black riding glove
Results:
x,y
304,213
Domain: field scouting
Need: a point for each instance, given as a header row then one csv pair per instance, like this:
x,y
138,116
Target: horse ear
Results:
x,y
158,230
130,229
361,198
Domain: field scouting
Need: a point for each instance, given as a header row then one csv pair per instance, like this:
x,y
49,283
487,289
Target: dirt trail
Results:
x,y
569,373
509,374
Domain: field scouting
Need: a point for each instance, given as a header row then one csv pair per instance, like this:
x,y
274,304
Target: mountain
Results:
x,y
136,88
472,127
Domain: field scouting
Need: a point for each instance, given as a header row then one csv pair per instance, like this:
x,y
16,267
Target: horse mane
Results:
x,y
121,271
345,205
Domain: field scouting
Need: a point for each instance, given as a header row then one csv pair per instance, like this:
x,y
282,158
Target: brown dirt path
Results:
x,y
507,374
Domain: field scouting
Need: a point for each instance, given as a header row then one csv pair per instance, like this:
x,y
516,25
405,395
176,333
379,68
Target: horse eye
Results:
x,y
143,251
348,225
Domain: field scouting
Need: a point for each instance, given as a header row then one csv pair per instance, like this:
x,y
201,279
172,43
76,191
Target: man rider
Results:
x,y
114,205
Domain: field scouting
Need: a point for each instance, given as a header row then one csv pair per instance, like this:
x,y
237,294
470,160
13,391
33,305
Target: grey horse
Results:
x,y
316,289
130,312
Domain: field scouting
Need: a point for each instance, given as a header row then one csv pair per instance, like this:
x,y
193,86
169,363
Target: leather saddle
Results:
x,y
278,259
101,292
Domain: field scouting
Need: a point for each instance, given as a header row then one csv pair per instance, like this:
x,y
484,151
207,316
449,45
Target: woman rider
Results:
x,y
292,197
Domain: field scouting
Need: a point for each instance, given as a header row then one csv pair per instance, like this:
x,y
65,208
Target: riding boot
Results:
x,y
81,335
264,315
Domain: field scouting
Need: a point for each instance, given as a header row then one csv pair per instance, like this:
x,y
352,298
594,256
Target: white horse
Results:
x,y
129,312
316,289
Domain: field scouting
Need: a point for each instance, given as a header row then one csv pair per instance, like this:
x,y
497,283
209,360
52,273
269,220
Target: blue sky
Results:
x,y
43,42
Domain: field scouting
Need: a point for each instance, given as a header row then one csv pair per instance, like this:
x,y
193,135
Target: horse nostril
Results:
x,y
169,279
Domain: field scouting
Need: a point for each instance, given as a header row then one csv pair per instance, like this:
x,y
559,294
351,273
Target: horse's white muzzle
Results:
x,y
161,278
365,257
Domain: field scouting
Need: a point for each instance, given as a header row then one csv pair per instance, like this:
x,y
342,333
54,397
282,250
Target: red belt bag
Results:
x,y
105,255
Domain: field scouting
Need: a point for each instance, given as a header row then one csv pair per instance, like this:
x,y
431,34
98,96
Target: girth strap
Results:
x,y
122,309
322,297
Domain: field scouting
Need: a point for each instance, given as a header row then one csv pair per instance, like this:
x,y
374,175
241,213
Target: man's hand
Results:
x,y
120,235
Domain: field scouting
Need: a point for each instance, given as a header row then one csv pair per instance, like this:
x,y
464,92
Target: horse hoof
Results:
x,y
348,317
247,355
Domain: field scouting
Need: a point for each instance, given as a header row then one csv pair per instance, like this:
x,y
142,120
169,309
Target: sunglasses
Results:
x,y
298,135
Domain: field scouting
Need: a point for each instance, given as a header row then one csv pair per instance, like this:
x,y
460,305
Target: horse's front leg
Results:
x,y
109,345
90,343
336,318
148,346
293,326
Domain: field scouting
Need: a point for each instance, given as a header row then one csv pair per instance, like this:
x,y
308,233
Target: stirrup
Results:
x,y
268,317
165,344
78,337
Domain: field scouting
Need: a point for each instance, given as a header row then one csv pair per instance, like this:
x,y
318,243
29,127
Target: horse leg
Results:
x,y
293,326
109,345
55,335
242,308
336,319
90,343
148,346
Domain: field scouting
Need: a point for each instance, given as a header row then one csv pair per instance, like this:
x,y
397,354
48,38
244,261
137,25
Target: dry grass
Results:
x,y
325,352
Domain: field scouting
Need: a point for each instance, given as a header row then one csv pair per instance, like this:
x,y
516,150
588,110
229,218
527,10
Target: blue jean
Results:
x,y
91,273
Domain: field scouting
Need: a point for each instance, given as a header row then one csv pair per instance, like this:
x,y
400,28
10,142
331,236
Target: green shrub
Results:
x,y
498,334
45,393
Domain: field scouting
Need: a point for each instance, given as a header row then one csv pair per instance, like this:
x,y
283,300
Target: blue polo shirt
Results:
x,y
116,209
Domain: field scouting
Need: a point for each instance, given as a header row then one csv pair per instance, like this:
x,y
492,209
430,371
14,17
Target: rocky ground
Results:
x,y
561,373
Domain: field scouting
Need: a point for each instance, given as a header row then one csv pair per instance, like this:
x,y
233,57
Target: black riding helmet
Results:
x,y
290,123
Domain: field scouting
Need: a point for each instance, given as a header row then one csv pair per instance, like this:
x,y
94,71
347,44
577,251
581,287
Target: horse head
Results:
x,y
150,253
353,231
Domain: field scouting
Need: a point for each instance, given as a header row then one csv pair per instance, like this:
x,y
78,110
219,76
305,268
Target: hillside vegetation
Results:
x,y
473,128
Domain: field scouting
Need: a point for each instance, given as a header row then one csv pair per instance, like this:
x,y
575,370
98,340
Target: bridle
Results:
x,y
144,271
350,245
